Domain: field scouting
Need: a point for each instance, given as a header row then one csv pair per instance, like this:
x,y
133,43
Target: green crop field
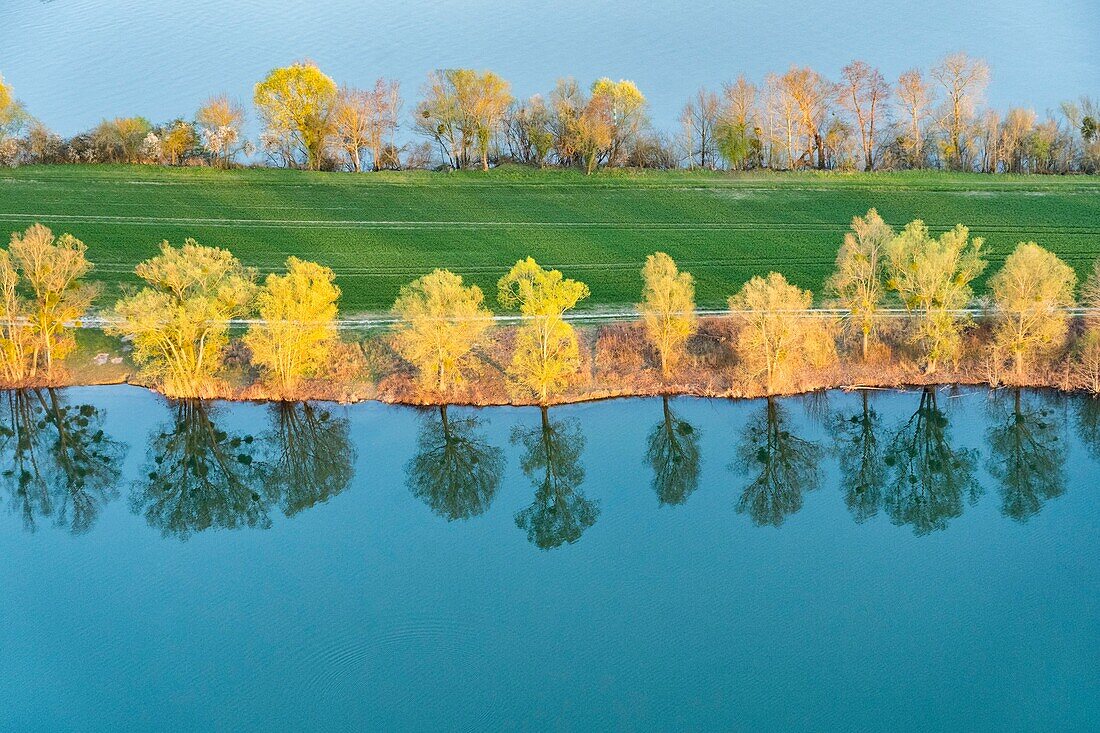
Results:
x,y
378,231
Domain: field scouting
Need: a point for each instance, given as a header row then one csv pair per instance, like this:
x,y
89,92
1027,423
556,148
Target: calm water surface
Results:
x,y
75,62
919,560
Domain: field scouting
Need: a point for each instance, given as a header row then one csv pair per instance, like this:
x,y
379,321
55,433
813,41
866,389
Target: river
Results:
x,y
76,62
920,560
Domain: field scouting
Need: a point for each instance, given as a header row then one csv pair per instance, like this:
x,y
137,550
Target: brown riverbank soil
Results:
x,y
616,362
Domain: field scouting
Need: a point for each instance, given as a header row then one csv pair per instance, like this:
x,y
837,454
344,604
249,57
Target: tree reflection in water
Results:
x,y
56,460
307,456
1027,454
560,513
1088,424
673,452
455,471
785,465
200,477
862,473
928,476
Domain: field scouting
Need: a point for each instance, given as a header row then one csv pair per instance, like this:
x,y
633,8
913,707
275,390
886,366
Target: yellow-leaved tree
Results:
x,y
49,269
775,330
179,322
296,103
442,321
668,308
625,107
297,328
1030,296
16,340
857,281
932,277
546,353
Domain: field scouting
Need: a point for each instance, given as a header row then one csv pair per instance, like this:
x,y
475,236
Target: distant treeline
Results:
x,y
447,344
466,118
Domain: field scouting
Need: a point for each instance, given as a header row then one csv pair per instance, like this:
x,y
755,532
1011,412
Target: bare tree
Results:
x,y
366,120
963,79
864,92
914,98
700,118
812,95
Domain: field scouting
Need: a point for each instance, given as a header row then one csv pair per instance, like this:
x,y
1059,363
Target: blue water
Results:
x,y
361,568
75,62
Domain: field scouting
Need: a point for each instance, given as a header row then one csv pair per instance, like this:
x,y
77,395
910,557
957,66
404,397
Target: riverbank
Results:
x,y
616,362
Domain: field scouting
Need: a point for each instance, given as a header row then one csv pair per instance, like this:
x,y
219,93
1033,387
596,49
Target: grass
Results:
x,y
378,231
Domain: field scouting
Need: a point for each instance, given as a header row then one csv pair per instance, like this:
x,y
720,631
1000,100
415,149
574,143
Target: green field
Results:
x,y
378,231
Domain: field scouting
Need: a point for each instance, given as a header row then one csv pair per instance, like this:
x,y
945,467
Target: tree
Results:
x,y
1030,296
857,281
529,132
462,108
700,119
122,139
735,133
864,92
297,326
625,108
932,277
559,513
366,119
915,99
178,141
16,338
546,352
179,322
774,329
442,322
489,102
52,269
668,308
963,80
673,453
455,471
787,466
219,122
585,129
811,96
296,103
7,102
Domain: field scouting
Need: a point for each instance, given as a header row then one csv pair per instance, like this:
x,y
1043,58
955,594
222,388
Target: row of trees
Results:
x,y
62,465
466,118
179,321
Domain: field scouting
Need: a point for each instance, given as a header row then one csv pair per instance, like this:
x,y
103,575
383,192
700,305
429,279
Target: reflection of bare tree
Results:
x,y
929,476
455,471
673,453
862,473
200,477
309,457
1027,456
559,513
787,466
1088,424
56,459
